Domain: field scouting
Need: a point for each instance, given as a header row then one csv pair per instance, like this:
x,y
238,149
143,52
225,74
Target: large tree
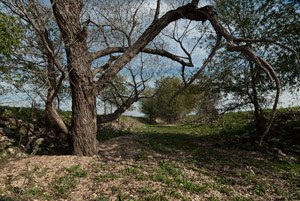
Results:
x,y
74,28
239,78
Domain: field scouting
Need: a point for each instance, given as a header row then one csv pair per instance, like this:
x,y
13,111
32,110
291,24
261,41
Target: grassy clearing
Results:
x,y
216,161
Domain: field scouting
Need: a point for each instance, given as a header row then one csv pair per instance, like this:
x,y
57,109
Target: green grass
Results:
x,y
76,171
130,171
105,133
219,150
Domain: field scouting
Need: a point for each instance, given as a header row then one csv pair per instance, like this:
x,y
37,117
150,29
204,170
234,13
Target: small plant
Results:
x,y
213,198
161,176
76,171
143,155
62,185
260,189
156,197
129,171
6,198
170,168
35,191
146,190
241,198
191,186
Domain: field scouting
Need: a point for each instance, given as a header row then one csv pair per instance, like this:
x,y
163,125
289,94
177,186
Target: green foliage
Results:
x,y
24,114
129,171
105,133
164,105
10,35
242,83
62,185
115,92
266,19
76,171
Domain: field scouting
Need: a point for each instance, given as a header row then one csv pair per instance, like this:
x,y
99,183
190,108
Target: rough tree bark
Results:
x,y
84,123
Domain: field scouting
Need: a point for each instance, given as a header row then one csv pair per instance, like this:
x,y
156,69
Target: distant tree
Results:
x,y
164,105
148,106
208,104
10,36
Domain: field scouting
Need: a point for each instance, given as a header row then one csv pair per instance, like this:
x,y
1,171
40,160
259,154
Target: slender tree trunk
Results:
x,y
51,115
259,118
54,118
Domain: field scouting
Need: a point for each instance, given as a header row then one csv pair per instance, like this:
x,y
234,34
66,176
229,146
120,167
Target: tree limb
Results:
x,y
157,11
160,52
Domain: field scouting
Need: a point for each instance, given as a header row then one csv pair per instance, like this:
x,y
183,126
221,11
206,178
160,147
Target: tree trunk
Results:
x,y
260,120
51,115
54,118
84,122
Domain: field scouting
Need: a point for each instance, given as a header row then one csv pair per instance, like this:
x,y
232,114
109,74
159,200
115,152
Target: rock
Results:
x,y
39,141
31,127
3,154
3,139
23,131
36,145
21,155
11,151
19,122
281,153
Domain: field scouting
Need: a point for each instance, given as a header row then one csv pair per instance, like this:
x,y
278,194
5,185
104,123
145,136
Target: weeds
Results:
x,y
63,184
